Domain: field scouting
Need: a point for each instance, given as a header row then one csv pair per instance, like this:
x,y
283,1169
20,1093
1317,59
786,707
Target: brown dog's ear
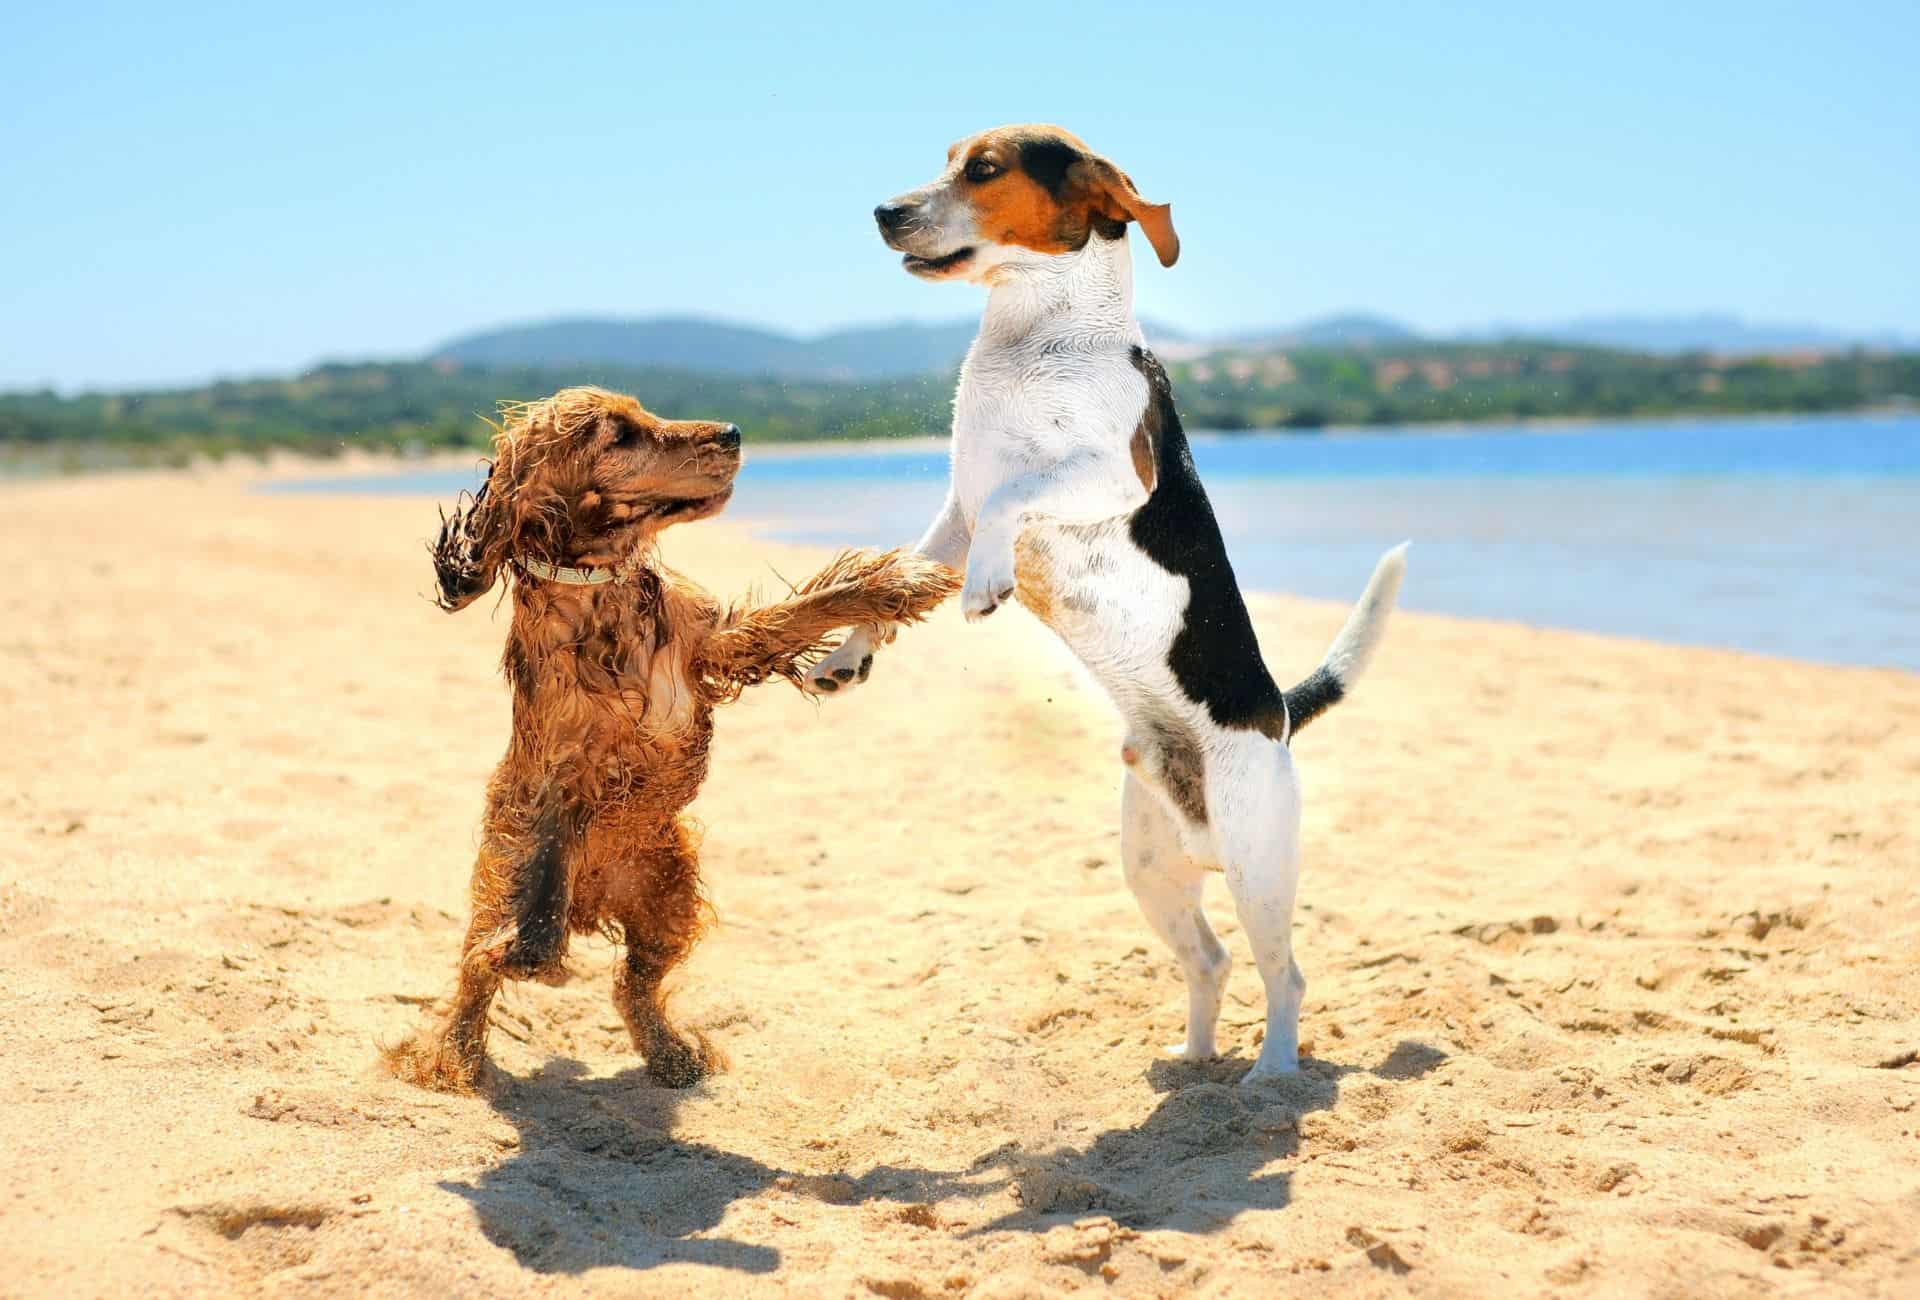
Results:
x,y
468,552
1115,197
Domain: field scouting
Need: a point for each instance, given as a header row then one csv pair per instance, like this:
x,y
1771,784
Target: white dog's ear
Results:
x,y
1116,198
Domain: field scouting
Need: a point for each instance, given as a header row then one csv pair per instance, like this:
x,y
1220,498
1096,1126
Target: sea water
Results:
x,y
1782,536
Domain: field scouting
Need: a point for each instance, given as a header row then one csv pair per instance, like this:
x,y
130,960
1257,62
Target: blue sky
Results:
x,y
195,190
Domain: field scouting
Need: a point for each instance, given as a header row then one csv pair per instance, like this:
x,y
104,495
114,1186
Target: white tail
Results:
x,y
1350,652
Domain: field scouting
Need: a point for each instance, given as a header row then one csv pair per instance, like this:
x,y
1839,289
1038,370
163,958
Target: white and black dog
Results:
x,y
1073,489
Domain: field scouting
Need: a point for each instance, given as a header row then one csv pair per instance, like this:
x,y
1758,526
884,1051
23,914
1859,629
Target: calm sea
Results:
x,y
1784,536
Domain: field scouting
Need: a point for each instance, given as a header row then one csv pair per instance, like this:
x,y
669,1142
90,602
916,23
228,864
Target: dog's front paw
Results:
x,y
990,584
845,668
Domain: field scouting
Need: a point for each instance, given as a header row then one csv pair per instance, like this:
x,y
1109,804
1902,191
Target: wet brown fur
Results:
x,y
613,694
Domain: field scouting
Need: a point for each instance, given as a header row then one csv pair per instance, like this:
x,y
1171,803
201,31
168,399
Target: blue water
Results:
x,y
1790,537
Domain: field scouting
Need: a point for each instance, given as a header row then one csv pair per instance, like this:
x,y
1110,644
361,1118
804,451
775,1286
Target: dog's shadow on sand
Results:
x,y
598,1179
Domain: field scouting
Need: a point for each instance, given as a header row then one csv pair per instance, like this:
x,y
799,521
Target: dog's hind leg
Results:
x,y
1167,883
657,905
1253,802
448,1053
519,895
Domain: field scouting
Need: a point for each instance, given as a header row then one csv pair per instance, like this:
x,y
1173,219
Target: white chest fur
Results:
x,y
1050,374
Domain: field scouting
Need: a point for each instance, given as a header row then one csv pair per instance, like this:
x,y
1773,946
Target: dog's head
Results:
x,y
584,478
1012,195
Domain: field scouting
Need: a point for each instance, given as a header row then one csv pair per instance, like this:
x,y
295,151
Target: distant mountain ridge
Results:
x,y
1706,332
697,343
907,348
886,351
1661,335
1345,330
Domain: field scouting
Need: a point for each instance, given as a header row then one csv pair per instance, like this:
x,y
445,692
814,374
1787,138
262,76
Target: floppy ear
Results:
x,y
1115,197
471,545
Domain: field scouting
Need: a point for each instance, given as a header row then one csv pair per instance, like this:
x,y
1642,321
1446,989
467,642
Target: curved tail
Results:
x,y
1347,657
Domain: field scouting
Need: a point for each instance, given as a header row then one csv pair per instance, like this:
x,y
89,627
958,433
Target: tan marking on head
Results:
x,y
1014,207
1056,212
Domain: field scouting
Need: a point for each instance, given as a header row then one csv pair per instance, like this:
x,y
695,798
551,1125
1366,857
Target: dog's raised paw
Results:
x,y
979,605
845,668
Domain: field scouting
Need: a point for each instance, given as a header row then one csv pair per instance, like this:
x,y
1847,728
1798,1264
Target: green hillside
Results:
x,y
440,404
1426,382
430,404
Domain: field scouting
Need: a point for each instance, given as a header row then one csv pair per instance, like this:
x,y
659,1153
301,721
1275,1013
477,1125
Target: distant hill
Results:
x,y
1662,335
1707,332
1347,330
903,349
693,343
416,404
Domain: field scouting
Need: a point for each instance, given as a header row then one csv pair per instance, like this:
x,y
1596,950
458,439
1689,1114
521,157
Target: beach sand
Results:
x,y
1612,949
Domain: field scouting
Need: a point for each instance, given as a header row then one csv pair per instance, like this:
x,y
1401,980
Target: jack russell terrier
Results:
x,y
1074,490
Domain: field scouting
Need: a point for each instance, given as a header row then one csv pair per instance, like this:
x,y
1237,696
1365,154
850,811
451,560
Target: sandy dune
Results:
x,y
1613,955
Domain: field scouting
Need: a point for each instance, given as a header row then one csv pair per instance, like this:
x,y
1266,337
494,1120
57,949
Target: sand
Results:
x,y
1611,948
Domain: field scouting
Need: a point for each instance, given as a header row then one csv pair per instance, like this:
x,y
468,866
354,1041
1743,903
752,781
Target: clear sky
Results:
x,y
191,190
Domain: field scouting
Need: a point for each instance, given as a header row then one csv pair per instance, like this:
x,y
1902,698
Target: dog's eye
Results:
x,y
983,169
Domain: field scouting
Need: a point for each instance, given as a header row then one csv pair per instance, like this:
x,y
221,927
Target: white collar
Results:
x,y
561,573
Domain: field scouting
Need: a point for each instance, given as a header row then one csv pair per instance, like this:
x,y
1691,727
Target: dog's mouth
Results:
x,y
685,508
937,265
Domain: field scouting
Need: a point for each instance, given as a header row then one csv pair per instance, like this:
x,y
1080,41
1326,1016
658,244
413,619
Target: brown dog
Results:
x,y
615,664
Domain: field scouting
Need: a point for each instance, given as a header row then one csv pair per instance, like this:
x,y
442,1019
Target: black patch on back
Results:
x,y
1215,657
1309,699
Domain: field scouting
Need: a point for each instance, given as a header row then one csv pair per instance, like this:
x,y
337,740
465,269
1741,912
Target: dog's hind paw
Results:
x,y
429,1061
1264,1071
673,1062
1190,1051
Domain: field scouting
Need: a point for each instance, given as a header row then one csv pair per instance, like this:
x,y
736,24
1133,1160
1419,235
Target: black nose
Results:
x,y
729,437
889,215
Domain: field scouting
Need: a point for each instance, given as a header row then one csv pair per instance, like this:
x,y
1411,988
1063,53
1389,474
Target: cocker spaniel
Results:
x,y
616,664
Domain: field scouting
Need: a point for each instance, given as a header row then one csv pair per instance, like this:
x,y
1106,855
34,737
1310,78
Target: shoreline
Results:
x,y
773,531
365,461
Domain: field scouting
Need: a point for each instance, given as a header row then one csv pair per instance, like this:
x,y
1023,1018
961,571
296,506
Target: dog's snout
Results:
x,y
889,216
729,437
